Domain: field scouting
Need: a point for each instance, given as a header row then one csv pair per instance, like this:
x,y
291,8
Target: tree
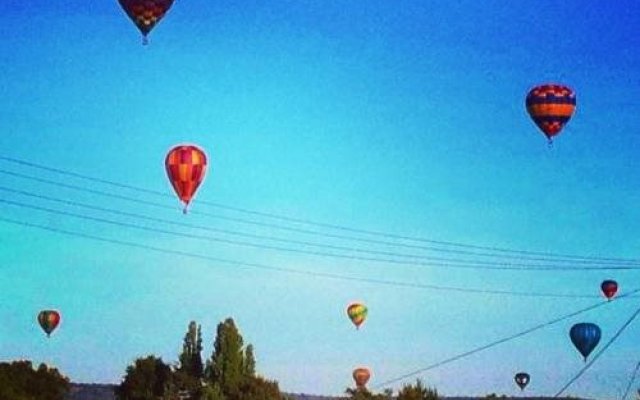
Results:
x,y
364,394
417,392
212,392
19,381
258,388
226,367
249,365
232,369
191,356
189,373
148,378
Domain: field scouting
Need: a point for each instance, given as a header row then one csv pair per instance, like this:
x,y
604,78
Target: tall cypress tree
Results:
x,y
227,361
249,367
191,356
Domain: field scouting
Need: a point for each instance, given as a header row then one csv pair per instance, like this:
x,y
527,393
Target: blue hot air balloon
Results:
x,y
585,336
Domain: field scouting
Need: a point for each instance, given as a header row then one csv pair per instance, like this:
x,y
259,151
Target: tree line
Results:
x,y
229,374
19,380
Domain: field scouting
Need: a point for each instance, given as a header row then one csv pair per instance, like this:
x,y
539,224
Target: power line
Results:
x,y
290,270
500,341
163,206
633,378
449,264
593,360
251,235
324,225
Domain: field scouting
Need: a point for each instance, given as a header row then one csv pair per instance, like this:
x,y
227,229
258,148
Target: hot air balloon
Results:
x,y
49,320
361,376
522,379
585,336
609,288
357,312
551,106
145,13
186,166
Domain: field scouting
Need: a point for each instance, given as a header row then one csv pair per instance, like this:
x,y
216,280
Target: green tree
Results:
x,y
19,381
417,392
249,364
191,356
148,378
212,392
365,394
189,373
226,367
258,388
232,369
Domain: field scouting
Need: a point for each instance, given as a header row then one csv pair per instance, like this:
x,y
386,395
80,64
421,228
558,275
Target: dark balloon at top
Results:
x,y
145,14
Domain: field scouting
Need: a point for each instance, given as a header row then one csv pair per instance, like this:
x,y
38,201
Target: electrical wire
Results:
x,y
250,235
323,225
601,352
288,270
449,264
633,378
500,341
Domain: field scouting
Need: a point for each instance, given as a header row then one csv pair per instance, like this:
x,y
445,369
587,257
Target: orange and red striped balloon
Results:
x,y
551,106
49,320
186,166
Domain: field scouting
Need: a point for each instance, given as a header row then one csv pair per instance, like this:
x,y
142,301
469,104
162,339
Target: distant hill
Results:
x,y
302,396
86,391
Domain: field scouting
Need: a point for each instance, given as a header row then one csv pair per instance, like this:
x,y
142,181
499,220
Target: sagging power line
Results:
x,y
505,251
287,270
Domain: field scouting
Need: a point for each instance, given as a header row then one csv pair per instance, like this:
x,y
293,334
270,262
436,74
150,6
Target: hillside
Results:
x,y
84,391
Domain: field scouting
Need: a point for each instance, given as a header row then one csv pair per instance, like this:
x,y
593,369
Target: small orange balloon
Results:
x,y
361,376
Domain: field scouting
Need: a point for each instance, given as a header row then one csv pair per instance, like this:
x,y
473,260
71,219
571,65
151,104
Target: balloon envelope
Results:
x,y
186,166
609,288
551,106
145,14
48,320
585,336
522,379
361,376
357,313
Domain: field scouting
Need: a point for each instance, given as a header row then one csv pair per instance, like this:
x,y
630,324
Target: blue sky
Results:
x,y
404,117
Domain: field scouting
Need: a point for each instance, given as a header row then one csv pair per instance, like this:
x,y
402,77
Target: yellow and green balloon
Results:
x,y
357,313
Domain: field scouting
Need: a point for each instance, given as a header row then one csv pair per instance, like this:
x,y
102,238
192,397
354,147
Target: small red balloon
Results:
x,y
609,288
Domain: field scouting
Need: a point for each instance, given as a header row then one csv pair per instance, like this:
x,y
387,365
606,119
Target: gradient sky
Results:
x,y
404,117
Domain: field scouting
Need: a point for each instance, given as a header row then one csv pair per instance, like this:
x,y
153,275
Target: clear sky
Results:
x,y
404,117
